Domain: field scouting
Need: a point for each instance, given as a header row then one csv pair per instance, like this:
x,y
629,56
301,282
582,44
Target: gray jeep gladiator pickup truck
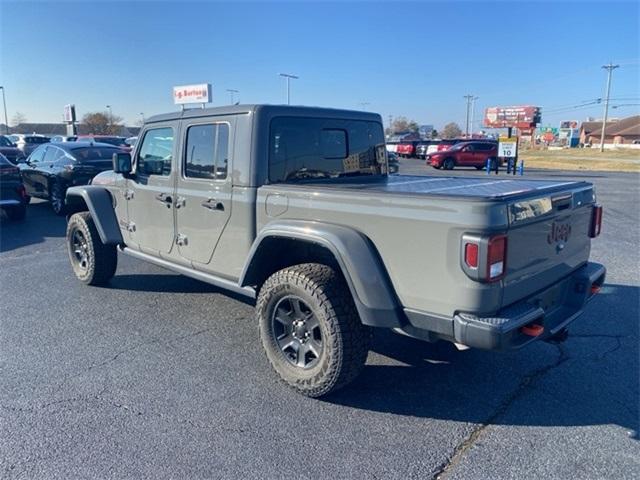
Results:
x,y
293,206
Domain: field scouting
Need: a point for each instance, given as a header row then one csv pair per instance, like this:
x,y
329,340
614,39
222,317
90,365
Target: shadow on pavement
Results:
x,y
39,224
592,379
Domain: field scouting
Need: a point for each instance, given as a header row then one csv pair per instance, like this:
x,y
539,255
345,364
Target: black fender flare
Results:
x,y
100,205
356,256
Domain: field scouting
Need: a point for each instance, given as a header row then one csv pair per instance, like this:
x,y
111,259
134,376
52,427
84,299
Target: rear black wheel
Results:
x,y
310,329
448,163
57,198
93,262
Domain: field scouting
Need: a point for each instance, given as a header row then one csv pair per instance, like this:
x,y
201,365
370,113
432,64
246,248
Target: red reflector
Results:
x,y
595,289
496,257
533,330
471,255
596,221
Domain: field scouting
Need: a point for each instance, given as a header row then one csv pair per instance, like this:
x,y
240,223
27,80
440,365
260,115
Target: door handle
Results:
x,y
164,198
213,204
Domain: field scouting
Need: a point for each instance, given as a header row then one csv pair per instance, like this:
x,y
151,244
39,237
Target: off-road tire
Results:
x,y
101,260
449,163
345,339
57,198
17,213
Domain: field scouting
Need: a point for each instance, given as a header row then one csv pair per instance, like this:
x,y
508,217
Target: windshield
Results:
x,y
5,142
315,148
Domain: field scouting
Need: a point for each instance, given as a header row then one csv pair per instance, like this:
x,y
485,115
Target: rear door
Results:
x,y
203,203
150,190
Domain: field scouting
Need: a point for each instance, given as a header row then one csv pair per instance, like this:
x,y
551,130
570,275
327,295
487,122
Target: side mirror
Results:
x,y
122,163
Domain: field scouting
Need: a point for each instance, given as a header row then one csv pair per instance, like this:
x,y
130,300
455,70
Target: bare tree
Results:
x,y
451,130
403,124
18,119
102,123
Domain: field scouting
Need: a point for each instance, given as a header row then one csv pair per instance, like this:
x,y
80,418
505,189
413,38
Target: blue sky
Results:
x,y
414,59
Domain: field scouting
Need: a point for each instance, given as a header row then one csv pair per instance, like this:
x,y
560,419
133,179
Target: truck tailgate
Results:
x,y
548,238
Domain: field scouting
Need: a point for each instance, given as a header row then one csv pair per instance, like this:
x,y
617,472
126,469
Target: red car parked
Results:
x,y
465,154
407,148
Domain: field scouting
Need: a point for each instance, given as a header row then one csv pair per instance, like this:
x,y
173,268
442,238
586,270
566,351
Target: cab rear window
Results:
x,y
317,148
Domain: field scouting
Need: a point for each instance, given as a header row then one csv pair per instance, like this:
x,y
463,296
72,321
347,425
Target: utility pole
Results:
x,y
231,92
288,76
6,121
473,108
609,68
468,98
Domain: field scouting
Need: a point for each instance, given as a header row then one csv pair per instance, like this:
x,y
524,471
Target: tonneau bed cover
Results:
x,y
494,188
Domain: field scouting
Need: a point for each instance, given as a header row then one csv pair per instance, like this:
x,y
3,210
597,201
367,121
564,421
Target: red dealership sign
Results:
x,y
526,116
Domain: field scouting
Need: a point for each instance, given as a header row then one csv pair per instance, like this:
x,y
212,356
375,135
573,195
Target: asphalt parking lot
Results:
x,y
161,376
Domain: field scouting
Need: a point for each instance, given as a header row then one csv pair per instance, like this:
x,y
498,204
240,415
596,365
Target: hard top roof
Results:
x,y
254,108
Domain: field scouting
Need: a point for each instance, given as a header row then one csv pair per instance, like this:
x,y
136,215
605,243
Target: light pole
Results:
x,y
466,129
473,109
609,68
231,92
142,117
288,76
110,118
4,103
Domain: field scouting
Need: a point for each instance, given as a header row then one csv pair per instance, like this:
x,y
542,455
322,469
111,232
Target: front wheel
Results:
x,y
93,262
448,163
310,329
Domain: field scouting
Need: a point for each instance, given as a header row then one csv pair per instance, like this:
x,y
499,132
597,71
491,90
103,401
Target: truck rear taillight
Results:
x,y
496,257
484,258
596,221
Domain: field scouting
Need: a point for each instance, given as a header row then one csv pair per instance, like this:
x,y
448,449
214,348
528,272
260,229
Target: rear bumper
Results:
x,y
537,317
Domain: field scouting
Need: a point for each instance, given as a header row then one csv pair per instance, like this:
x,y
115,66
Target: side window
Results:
x,y
37,155
51,155
333,143
207,151
156,152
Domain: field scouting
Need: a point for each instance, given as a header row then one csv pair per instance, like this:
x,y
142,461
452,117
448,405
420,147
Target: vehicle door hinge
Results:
x,y
181,240
128,194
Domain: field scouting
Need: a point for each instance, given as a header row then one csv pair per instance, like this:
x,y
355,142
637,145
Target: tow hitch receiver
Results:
x,y
532,330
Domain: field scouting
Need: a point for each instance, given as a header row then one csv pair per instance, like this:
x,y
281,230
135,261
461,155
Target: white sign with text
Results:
x,y
192,94
508,147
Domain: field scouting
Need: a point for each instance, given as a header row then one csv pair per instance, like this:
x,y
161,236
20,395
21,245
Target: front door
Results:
x,y
30,172
150,191
466,156
203,201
